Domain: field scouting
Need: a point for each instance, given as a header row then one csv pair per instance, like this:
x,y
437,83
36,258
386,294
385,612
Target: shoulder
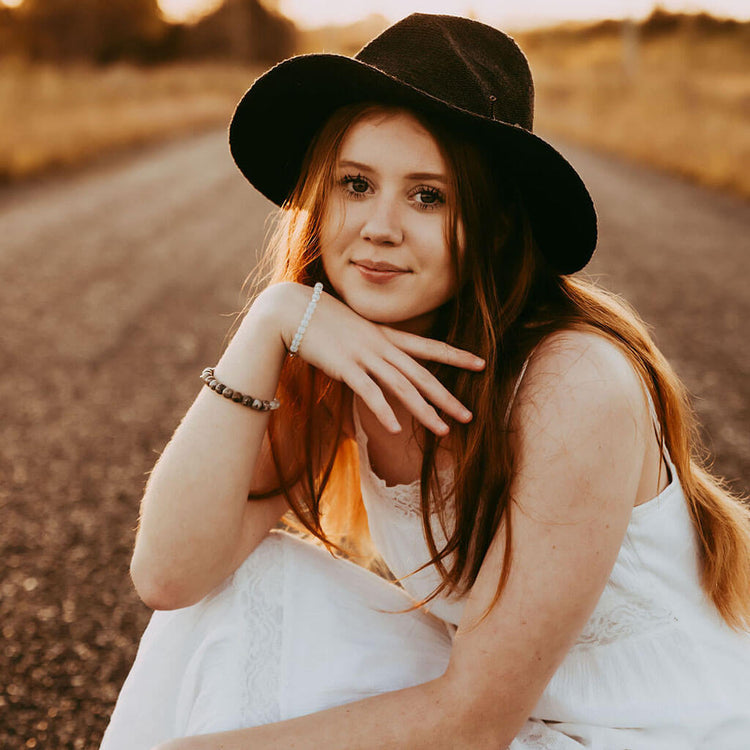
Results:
x,y
577,470
579,370
581,407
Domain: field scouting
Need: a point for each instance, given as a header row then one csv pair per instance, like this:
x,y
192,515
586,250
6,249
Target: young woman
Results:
x,y
569,576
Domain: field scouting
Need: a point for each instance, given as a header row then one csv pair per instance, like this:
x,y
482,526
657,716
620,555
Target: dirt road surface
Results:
x,y
115,287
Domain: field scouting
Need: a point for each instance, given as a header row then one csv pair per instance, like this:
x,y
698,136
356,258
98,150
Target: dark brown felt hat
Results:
x,y
470,75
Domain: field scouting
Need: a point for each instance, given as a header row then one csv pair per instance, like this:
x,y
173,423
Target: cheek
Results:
x,y
448,265
333,244
444,274
441,250
335,226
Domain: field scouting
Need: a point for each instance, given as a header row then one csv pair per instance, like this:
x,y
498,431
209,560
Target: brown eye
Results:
x,y
431,197
359,185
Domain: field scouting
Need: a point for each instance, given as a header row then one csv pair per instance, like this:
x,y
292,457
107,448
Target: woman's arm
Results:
x,y
582,424
196,525
194,512
424,717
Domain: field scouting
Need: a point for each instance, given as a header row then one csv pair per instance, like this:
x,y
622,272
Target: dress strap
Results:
x,y
658,430
517,385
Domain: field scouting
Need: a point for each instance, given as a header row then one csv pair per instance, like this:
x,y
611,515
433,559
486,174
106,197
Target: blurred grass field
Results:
x,y
680,103
59,116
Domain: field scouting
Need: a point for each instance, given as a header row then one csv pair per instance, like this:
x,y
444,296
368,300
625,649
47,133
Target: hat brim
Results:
x,y
282,111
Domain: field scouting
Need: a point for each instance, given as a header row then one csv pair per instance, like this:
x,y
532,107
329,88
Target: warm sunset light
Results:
x,y
312,13
187,10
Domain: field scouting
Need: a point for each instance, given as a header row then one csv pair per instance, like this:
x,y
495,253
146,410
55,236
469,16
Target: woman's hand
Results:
x,y
370,357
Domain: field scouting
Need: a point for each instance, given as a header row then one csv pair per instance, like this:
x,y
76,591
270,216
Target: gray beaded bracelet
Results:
x,y
297,340
207,376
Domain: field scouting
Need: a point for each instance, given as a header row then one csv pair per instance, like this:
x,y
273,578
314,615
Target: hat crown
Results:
x,y
465,63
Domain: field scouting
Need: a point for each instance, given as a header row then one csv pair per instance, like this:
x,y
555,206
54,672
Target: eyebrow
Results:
x,y
412,176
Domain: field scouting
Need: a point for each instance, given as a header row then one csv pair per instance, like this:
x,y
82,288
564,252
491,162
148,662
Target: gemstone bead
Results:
x,y
233,395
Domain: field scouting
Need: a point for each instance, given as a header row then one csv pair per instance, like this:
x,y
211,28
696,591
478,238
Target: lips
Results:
x,y
380,275
378,265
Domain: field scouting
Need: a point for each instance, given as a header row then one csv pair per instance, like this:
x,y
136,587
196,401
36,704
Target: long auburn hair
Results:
x,y
508,300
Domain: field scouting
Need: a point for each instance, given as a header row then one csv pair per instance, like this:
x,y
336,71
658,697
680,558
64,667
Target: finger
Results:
x,y
432,349
428,385
400,386
372,395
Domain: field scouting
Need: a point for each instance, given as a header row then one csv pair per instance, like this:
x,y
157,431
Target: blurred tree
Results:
x,y
9,43
98,30
103,31
240,29
630,48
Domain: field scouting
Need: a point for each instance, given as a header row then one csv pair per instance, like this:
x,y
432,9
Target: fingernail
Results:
x,y
466,414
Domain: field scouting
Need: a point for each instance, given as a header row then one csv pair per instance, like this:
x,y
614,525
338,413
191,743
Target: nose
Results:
x,y
383,223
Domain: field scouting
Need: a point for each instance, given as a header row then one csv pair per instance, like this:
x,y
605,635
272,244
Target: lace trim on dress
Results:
x,y
536,735
260,586
630,616
403,498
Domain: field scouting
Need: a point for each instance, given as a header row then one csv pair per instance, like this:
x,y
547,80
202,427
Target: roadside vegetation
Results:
x,y
672,91
53,116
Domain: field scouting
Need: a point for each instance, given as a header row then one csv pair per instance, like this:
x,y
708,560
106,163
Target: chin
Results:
x,y
379,313
414,321
388,307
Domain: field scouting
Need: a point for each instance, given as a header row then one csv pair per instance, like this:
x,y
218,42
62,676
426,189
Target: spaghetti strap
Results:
x,y
658,430
517,385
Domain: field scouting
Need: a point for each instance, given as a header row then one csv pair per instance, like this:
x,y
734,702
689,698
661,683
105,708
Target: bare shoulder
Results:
x,y
580,381
583,362
582,425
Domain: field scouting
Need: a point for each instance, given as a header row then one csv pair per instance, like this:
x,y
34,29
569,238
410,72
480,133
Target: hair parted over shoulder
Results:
x,y
508,300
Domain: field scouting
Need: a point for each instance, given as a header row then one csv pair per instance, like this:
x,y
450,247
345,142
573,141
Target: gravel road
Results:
x,y
117,285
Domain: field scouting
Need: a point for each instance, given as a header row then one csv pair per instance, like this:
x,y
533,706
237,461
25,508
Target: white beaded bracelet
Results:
x,y
297,340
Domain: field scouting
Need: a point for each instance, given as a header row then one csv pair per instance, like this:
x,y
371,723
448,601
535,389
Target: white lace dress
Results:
x,y
295,631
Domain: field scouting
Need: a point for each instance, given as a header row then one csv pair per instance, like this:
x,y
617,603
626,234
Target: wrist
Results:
x,y
284,306
255,354
269,312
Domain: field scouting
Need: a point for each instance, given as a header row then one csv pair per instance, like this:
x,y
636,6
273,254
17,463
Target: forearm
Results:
x,y
431,716
196,495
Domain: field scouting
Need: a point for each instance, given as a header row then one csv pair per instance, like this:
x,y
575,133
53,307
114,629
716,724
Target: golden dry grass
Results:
x,y
685,108
60,116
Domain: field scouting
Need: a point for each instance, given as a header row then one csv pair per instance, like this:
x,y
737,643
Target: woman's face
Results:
x,y
388,209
